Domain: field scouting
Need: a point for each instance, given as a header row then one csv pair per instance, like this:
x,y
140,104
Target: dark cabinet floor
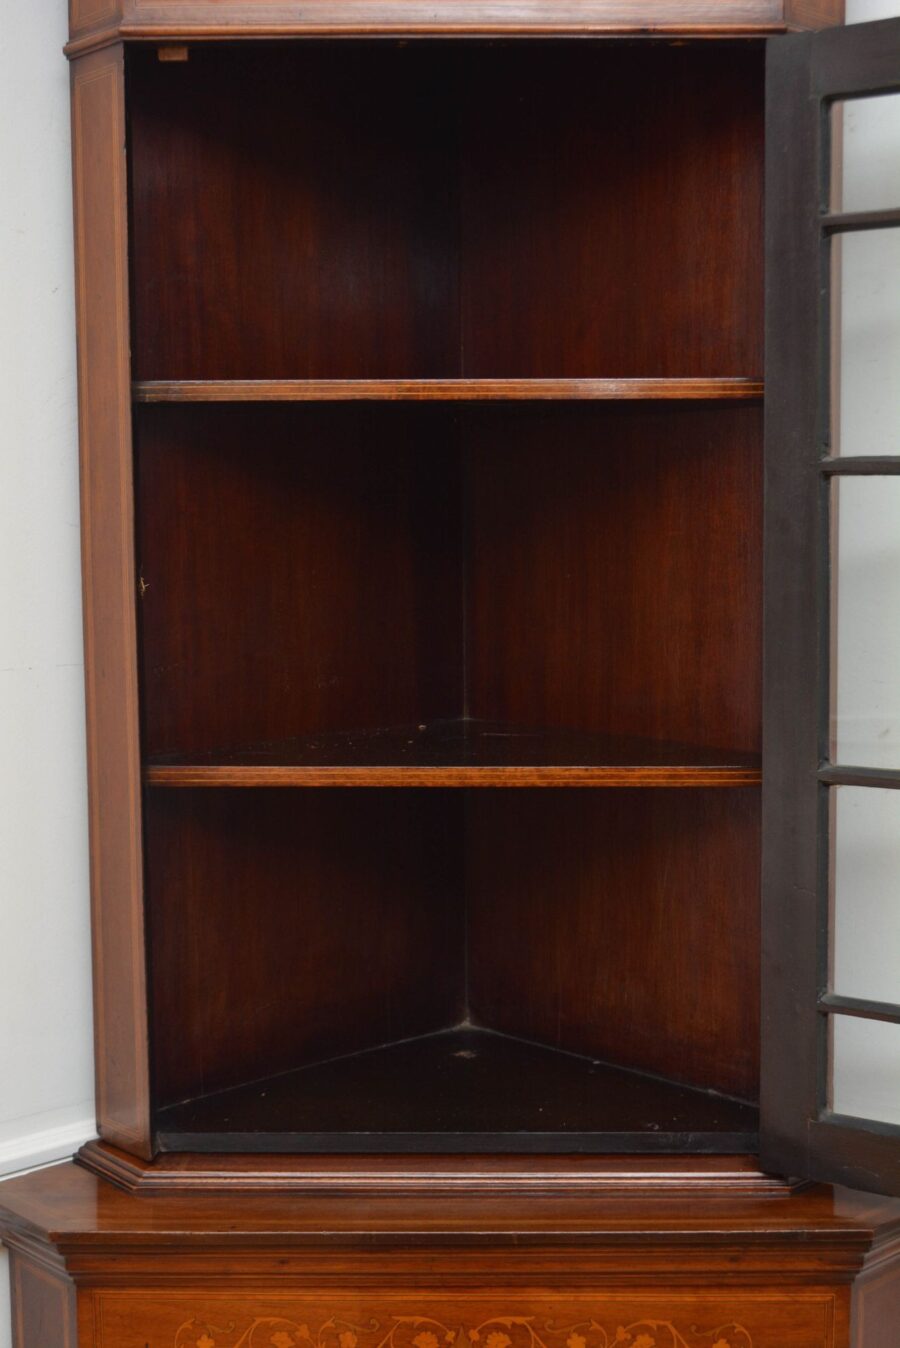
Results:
x,y
450,1091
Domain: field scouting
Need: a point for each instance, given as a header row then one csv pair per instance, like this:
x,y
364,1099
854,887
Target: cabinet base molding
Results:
x,y
434,1175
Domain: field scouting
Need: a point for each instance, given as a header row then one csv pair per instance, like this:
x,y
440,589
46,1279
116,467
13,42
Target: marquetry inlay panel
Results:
x,y
273,1320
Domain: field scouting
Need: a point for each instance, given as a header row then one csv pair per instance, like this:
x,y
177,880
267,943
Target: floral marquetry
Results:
x,y
413,1331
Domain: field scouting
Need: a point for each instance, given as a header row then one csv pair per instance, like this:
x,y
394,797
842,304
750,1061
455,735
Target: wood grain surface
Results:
x,y
817,1233
161,19
93,22
443,390
107,533
639,1319
648,954
289,927
621,592
437,252
462,753
436,1176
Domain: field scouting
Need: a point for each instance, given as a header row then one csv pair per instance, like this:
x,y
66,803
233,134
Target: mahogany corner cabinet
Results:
x,y
461,442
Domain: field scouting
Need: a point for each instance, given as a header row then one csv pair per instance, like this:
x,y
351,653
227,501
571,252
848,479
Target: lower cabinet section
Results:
x,y
43,1305
676,1319
716,1264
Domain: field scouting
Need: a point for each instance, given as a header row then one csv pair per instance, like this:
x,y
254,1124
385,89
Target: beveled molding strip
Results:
x,y
162,20
392,1176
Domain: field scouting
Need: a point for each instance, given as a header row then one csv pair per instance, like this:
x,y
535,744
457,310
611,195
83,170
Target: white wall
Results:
x,y
46,1088
860,11
46,1082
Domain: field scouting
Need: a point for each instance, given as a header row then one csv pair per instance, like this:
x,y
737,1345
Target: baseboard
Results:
x,y
43,1147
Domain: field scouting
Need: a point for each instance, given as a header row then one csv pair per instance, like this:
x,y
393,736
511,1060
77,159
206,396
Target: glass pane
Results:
x,y
865,144
865,1068
866,622
865,414
865,890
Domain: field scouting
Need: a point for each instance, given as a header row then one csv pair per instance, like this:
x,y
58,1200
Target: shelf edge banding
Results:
x,y
449,390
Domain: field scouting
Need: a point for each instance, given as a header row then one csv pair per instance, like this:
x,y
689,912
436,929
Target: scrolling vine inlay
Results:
x,y
422,1331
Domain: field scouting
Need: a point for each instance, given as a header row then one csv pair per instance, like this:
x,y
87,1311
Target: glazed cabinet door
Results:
x,y
830,1106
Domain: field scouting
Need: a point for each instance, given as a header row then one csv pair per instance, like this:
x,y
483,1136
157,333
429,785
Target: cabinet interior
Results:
x,y
450,702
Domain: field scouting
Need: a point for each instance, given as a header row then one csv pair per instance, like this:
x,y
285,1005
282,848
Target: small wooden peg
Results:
x,y
171,52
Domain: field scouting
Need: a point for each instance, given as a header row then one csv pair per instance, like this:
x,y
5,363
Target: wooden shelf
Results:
x,y
446,390
461,754
473,1089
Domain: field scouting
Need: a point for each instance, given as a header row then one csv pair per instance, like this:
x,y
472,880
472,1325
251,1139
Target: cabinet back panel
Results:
x,y
557,210
292,215
289,927
615,570
302,570
620,924
612,211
